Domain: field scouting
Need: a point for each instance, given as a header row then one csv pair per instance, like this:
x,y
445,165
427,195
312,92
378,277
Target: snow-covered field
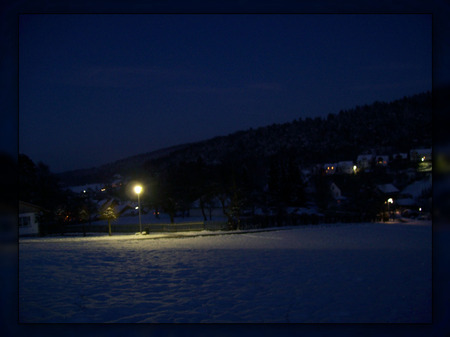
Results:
x,y
371,272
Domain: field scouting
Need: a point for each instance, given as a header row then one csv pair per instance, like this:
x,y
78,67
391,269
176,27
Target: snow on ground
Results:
x,y
371,272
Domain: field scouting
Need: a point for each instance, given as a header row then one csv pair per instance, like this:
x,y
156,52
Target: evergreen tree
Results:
x,y
110,214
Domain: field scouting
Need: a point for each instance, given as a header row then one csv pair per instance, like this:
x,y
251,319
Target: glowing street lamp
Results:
x,y
389,201
138,190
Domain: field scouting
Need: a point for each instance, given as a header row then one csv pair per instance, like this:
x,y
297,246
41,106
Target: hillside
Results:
x,y
386,127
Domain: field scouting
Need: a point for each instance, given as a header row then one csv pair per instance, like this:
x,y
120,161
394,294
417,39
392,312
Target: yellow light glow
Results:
x,y
390,200
137,189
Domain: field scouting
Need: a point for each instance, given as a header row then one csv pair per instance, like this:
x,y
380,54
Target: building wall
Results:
x,y
28,224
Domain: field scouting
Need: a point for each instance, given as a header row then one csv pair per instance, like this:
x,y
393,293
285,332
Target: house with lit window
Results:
x,y
330,168
29,218
382,160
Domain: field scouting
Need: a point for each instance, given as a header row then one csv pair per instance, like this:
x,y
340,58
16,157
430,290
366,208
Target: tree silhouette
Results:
x,y
110,214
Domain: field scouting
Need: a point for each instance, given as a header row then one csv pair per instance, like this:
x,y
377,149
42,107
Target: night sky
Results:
x,y
98,88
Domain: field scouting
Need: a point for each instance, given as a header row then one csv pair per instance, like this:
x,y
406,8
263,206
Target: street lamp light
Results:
x,y
138,190
389,201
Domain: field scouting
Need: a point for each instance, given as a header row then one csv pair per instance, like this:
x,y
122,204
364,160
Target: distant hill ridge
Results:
x,y
385,127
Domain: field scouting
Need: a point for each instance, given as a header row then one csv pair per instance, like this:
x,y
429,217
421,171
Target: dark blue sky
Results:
x,y
97,88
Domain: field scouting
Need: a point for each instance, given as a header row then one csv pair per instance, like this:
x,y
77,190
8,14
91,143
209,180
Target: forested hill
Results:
x,y
386,127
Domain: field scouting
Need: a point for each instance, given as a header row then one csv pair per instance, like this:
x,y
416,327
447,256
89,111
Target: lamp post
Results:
x,y
138,190
389,201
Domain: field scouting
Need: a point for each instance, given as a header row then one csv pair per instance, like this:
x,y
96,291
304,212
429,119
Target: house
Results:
x,y
411,195
346,167
29,218
382,160
330,168
416,155
364,161
387,191
127,209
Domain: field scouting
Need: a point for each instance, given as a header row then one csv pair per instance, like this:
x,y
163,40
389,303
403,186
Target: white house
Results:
x,y
346,167
28,218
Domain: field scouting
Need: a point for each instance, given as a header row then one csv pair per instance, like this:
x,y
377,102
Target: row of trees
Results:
x,y
239,185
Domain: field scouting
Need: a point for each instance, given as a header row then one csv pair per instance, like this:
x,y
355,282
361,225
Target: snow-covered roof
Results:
x,y
387,188
416,188
345,163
